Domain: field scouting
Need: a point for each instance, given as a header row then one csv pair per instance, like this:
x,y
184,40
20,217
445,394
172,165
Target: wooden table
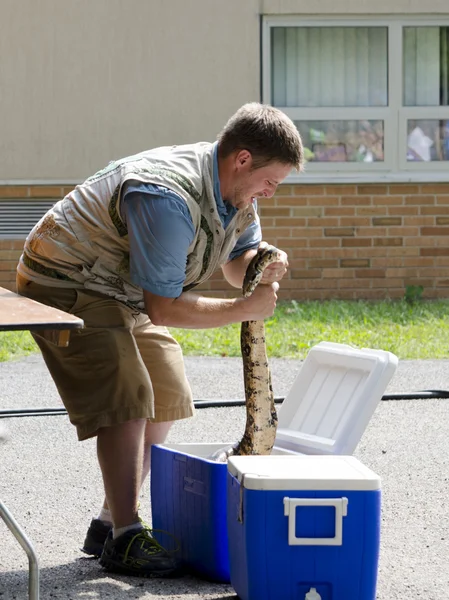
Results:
x,y
18,313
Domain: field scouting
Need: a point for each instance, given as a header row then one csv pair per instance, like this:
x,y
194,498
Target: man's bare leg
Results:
x,y
120,450
128,547
154,433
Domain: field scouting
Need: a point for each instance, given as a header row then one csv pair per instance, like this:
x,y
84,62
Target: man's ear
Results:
x,y
243,160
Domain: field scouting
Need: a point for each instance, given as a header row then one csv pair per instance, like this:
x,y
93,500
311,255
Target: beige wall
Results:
x,y
86,81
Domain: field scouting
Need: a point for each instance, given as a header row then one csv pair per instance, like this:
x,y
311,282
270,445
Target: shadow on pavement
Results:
x,y
83,578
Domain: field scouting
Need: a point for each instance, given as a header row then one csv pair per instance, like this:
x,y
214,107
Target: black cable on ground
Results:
x,y
221,403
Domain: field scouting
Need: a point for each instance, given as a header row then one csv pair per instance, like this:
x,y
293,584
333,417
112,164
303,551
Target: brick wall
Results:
x,y
358,241
343,241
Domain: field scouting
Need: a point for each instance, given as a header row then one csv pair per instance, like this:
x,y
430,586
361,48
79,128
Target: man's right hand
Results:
x,y
262,302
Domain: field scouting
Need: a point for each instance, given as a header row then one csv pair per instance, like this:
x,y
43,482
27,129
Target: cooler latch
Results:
x,y
341,510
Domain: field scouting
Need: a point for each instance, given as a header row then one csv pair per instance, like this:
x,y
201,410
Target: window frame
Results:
x,y
395,166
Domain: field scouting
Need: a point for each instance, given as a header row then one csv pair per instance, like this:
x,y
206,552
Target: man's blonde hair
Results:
x,y
266,132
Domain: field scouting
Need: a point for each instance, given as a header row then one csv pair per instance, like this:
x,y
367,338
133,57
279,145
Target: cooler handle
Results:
x,y
341,510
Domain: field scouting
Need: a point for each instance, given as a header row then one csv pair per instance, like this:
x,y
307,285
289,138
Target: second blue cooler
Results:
x,y
303,528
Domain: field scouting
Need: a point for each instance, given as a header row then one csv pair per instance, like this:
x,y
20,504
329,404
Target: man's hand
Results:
x,y
262,302
277,270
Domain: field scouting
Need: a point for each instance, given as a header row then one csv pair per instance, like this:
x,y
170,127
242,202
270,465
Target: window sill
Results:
x,y
376,177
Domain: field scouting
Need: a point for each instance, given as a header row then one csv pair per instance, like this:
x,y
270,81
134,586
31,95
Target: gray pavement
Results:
x,y
52,485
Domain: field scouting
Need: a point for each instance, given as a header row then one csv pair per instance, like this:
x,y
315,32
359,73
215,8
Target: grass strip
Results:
x,y
417,330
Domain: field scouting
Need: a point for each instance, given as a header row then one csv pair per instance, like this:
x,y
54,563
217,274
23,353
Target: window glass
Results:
x,y
426,66
329,66
342,141
427,140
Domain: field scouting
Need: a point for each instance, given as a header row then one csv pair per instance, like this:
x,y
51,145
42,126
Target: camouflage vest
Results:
x,y
83,241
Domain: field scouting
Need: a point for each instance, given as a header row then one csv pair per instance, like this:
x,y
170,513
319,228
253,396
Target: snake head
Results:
x,y
266,255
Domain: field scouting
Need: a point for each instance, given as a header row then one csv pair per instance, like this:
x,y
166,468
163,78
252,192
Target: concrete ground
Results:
x,y
52,485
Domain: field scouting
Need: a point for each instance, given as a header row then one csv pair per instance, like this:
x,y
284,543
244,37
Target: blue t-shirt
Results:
x,y
160,231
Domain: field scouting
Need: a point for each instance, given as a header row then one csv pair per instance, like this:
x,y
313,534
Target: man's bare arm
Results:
x,y
193,311
234,271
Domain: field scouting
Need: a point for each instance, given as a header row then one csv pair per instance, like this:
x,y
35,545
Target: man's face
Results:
x,y
250,184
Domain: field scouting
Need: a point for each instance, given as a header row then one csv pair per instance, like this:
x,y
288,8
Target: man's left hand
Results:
x,y
277,270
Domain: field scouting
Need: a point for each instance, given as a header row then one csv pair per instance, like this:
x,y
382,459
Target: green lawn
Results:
x,y
409,330
419,330
14,344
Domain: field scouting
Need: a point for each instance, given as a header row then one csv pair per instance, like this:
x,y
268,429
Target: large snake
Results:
x,y
261,416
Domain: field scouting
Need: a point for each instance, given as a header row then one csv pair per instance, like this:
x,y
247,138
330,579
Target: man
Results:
x,y
122,251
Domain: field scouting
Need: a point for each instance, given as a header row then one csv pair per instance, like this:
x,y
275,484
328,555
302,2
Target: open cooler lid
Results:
x,y
302,473
333,398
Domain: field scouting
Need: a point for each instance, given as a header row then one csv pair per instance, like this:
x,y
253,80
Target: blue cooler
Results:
x,y
188,500
303,528
325,413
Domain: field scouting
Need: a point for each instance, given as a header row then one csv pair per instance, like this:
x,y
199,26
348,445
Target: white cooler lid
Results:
x,y
302,473
333,398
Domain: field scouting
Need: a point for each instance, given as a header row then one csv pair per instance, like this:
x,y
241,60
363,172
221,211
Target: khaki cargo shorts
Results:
x,y
118,368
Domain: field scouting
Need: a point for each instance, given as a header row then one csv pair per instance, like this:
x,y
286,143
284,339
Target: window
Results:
x,y
368,96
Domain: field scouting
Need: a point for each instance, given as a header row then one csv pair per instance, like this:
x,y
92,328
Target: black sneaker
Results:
x,y
96,537
136,552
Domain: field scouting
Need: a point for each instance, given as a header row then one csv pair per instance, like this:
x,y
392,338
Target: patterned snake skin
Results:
x,y
261,417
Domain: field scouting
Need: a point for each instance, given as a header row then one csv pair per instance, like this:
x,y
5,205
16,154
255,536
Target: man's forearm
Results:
x,y
193,311
234,271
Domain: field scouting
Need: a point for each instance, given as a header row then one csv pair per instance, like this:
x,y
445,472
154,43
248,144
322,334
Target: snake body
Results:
x,y
261,416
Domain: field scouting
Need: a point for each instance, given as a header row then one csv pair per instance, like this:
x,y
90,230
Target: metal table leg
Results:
x,y
33,565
